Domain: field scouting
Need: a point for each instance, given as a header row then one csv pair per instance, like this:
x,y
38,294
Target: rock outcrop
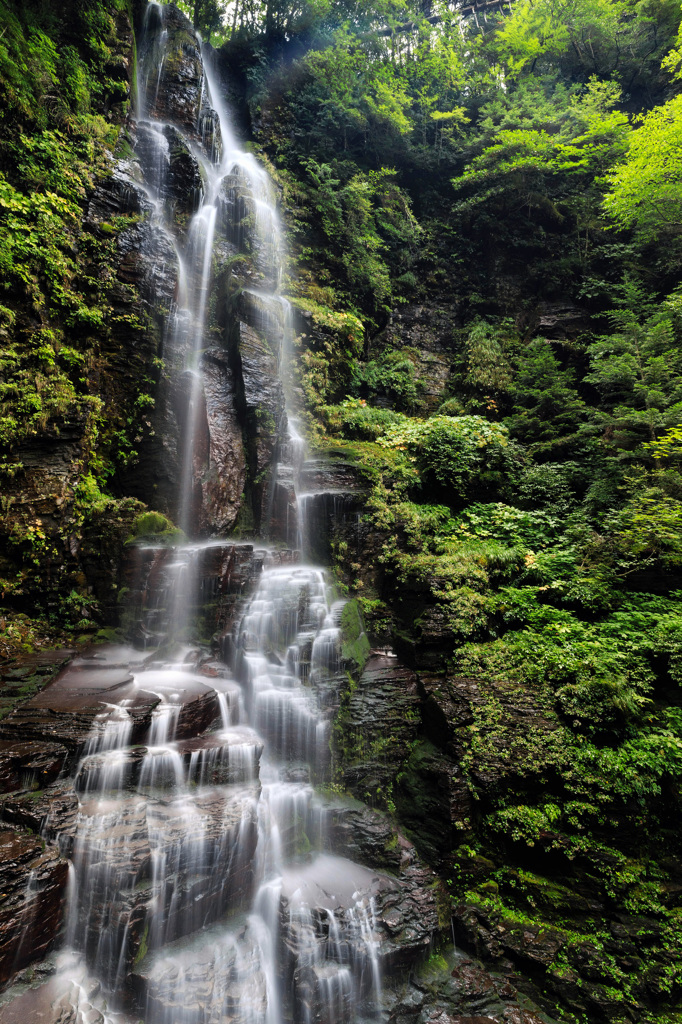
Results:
x,y
31,907
378,722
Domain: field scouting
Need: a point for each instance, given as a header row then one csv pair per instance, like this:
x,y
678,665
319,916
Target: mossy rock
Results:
x,y
155,527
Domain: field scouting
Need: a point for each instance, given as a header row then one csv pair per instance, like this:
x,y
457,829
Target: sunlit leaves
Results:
x,y
646,190
539,28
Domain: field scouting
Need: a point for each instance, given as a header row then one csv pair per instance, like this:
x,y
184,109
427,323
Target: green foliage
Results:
x,y
647,529
354,419
354,642
638,368
391,377
587,135
646,189
488,372
512,526
547,406
54,144
344,325
456,453
607,37
328,350
363,216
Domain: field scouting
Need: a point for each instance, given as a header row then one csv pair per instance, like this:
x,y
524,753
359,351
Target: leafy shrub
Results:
x,y
392,376
356,420
454,454
508,524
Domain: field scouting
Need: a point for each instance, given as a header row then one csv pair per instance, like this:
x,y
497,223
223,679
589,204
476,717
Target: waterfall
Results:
x,y
203,885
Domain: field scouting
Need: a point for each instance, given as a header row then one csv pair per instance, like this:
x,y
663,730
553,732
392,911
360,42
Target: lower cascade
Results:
x,y
208,879
181,827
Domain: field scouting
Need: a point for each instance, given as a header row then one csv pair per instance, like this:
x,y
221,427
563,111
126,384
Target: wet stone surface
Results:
x,y
24,765
32,901
453,989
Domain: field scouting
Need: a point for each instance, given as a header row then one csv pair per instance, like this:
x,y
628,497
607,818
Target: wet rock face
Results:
x,y
368,837
570,970
328,506
172,73
409,915
432,788
73,708
225,571
145,258
224,460
34,887
59,1000
143,286
429,332
204,982
321,516
249,223
378,727
67,710
261,400
28,673
207,871
24,764
166,160
560,320
51,813
43,492
328,475
146,879
378,924
457,990
211,760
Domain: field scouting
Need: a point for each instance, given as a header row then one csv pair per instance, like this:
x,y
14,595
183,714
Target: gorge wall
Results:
x,y
514,726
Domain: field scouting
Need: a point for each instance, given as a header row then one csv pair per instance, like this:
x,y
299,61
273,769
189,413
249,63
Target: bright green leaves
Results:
x,y
668,446
37,253
533,185
510,525
51,67
646,530
548,28
350,98
329,350
646,190
488,372
31,255
391,375
362,218
537,138
603,37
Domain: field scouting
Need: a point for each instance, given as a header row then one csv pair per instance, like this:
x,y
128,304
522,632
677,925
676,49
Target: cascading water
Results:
x,y
201,889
